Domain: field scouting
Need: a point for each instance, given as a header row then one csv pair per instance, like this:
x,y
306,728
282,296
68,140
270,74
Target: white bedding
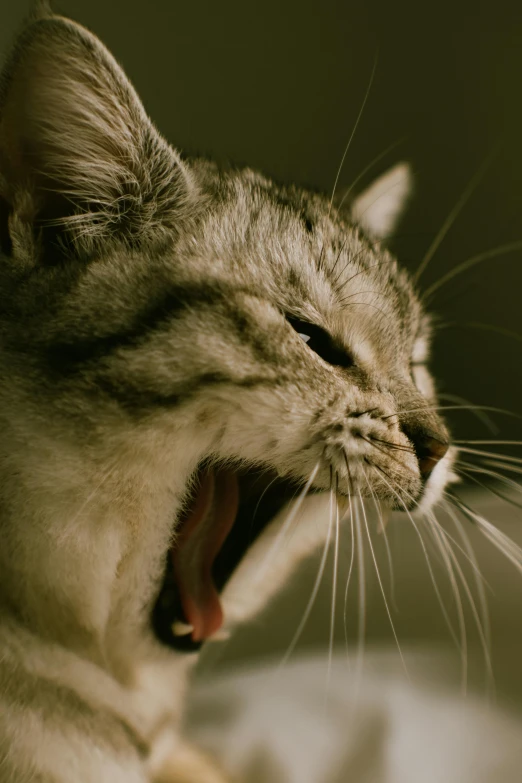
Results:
x,y
272,726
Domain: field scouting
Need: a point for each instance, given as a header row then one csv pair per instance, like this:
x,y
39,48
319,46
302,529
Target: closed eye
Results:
x,y
322,343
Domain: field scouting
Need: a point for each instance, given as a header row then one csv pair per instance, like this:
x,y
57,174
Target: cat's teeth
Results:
x,y
180,628
220,636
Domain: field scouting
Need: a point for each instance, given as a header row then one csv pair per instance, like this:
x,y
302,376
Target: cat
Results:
x,y
183,349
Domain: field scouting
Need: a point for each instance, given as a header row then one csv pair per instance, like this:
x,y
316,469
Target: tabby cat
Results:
x,y
181,346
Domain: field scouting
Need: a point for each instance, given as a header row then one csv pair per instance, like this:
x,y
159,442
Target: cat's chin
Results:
x,y
229,508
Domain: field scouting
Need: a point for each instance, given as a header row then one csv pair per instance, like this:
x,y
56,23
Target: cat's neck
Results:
x,y
84,545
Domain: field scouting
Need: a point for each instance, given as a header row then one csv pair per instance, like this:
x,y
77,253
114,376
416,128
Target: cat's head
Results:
x,y
170,321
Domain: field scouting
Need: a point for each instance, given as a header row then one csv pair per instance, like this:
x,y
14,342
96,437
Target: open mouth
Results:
x,y
227,511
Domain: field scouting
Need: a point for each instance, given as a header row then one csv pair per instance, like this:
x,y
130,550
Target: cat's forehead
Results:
x,y
312,262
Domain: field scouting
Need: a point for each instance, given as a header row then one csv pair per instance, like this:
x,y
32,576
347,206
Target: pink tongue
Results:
x,y
204,531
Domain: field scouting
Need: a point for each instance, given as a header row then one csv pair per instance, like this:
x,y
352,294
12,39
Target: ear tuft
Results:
x,y
75,136
41,9
378,209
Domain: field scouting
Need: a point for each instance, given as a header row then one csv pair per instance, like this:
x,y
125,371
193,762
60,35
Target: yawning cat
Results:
x,y
183,349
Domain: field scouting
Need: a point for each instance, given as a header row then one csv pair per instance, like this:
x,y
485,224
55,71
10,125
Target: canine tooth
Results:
x,y
180,628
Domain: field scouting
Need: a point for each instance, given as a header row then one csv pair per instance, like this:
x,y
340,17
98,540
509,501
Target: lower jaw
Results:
x,y
261,495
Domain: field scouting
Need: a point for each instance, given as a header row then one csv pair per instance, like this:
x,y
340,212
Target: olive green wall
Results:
x,y
278,85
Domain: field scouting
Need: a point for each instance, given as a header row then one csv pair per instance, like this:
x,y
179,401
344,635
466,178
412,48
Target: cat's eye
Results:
x,y
322,343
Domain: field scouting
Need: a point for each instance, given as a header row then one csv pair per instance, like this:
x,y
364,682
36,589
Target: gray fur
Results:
x,y
143,304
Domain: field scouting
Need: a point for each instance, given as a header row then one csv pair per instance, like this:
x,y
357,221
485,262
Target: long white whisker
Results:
x,y
377,572
471,601
505,545
490,442
334,599
468,191
267,560
460,644
313,595
470,469
350,569
494,454
471,559
479,582
367,168
489,408
480,415
443,548
361,631
495,252
504,465
386,544
354,130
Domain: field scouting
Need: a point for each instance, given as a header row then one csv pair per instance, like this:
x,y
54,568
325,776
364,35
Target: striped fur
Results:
x,y
143,320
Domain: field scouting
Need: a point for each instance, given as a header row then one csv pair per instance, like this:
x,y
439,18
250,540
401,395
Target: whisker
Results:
x,y
502,250
482,635
505,545
382,529
481,415
455,408
334,594
468,191
493,454
365,268
467,473
504,465
337,260
490,443
483,327
444,551
286,526
387,453
476,468
460,643
315,590
352,553
345,299
361,110
479,583
368,168
361,631
377,572
391,445
262,496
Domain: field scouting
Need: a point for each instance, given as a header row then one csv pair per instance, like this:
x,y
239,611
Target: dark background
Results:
x,y
278,85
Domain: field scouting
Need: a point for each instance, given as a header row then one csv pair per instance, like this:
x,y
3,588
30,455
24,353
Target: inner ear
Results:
x,y
77,148
379,208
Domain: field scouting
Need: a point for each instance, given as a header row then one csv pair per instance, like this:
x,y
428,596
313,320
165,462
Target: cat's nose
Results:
x,y
430,447
429,451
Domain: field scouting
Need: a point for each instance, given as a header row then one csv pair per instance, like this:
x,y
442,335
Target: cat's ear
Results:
x,y
378,208
80,161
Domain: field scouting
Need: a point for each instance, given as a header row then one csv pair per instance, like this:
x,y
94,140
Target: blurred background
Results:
x,y
278,86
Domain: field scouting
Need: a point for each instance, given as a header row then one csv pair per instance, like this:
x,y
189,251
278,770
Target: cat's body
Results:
x,y
153,321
